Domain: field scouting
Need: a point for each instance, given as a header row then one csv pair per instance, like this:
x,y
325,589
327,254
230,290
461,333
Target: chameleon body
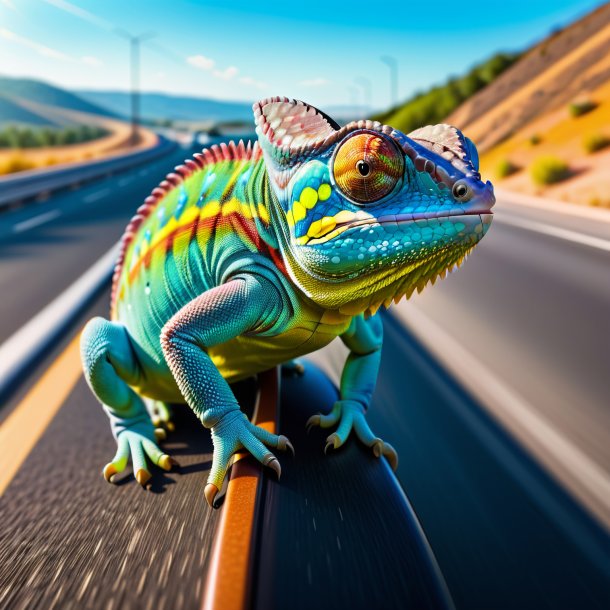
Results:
x,y
247,257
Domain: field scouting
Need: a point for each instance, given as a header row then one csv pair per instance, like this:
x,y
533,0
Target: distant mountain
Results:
x,y
158,106
11,112
39,92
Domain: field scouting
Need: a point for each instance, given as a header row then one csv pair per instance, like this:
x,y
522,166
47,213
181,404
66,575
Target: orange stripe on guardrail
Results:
x,y
228,583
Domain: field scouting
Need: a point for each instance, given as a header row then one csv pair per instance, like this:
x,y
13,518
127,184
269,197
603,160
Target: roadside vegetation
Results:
x,y
579,108
15,136
549,170
594,142
434,105
506,168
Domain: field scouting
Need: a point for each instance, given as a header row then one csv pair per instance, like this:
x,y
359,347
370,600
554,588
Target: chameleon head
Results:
x,y
366,213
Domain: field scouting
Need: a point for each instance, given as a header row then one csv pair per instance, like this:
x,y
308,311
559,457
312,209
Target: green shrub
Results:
x,y
579,108
548,170
28,137
506,168
594,142
535,139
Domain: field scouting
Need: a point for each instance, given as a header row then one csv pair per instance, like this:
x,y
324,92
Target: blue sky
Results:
x,y
314,50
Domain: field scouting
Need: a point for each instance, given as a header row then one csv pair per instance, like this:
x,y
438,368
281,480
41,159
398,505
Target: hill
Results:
x,y
553,107
39,92
161,106
434,105
12,112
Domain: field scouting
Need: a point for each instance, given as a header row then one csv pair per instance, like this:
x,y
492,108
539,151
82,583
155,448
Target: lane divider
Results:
x,y
586,479
36,221
22,349
28,421
229,575
567,234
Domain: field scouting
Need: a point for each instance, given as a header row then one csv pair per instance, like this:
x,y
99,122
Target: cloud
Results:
x,y
201,62
48,51
314,82
35,46
92,61
227,73
9,4
248,80
77,11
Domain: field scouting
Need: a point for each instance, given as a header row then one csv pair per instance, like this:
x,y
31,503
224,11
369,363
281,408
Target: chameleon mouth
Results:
x,y
485,217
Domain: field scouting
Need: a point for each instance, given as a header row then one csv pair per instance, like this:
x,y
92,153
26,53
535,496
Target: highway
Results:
x,y
511,525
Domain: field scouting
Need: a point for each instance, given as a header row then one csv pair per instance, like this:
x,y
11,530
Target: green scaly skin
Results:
x,y
249,257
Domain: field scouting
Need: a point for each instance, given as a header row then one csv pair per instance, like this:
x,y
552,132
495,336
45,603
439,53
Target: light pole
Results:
x,y
365,84
392,63
134,46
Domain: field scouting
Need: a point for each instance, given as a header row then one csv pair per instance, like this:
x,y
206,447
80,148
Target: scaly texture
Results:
x,y
247,257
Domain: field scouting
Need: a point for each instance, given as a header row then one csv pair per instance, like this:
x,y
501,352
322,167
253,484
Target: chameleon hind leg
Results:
x,y
244,304
110,366
364,339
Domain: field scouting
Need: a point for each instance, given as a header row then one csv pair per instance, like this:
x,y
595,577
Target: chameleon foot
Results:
x,y
137,442
349,415
232,433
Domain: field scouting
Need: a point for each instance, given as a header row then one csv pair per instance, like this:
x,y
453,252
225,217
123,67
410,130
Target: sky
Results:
x,y
321,51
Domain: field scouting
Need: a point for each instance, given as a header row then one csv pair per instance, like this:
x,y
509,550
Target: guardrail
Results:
x,y
26,347
33,183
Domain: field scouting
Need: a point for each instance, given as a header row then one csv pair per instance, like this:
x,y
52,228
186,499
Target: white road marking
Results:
x,y
97,195
552,205
539,227
36,221
584,477
25,340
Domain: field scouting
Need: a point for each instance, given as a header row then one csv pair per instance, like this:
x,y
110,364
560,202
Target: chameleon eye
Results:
x,y
367,167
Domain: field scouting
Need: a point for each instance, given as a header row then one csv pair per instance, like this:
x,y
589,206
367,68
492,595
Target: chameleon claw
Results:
x,y
314,420
377,447
210,492
167,462
160,434
170,426
143,476
109,471
390,454
156,422
333,441
283,444
273,463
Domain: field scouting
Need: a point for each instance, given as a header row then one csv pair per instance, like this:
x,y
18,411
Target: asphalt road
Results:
x,y
531,305
46,246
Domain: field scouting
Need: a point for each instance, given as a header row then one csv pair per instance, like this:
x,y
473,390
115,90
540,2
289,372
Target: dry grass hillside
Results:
x,y
117,140
543,126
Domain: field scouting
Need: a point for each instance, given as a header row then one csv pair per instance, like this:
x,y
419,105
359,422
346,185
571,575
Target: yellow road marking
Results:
x,y
30,418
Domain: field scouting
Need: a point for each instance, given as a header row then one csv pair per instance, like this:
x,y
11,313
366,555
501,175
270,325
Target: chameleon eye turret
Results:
x,y
367,167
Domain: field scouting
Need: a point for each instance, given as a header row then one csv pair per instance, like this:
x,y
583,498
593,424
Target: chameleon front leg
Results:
x,y
244,304
111,367
364,339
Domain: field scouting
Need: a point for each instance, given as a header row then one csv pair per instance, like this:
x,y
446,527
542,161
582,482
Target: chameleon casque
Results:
x,y
250,256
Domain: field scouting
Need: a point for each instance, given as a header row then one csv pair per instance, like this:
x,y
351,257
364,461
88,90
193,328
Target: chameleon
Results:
x,y
249,256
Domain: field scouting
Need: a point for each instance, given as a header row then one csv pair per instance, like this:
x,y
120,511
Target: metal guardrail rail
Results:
x,y
34,183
